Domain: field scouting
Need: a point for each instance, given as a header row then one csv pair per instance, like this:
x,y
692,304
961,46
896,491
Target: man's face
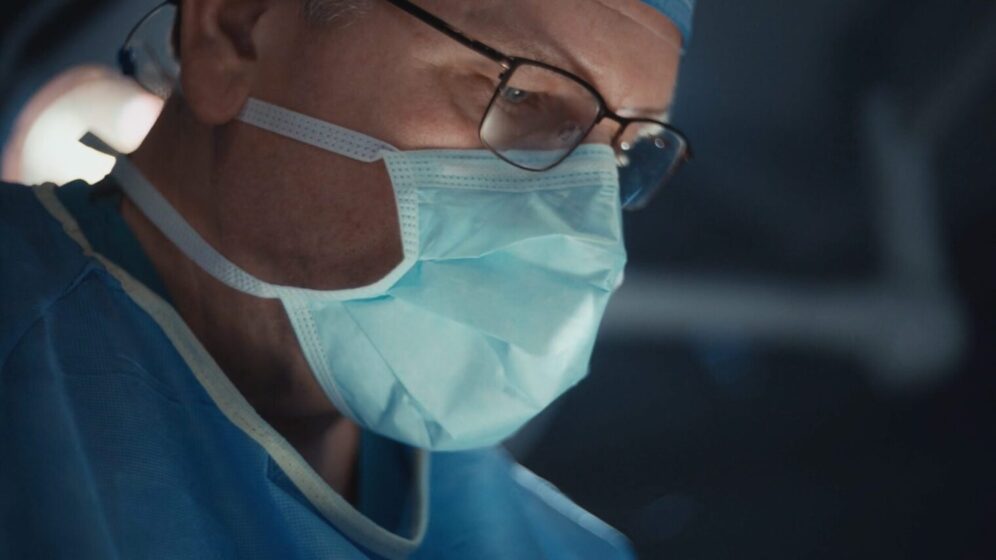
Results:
x,y
330,222
395,78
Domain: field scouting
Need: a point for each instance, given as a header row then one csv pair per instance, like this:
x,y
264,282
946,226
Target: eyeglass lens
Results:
x,y
537,116
650,154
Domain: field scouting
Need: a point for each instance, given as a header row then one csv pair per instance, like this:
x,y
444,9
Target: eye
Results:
x,y
515,95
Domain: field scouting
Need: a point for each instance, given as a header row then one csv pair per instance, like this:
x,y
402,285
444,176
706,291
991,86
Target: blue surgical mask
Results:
x,y
491,314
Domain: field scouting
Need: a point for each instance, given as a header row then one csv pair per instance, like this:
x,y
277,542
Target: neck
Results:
x,y
250,338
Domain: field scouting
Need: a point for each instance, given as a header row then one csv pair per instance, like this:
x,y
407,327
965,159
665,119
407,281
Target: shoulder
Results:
x,y
39,262
487,505
579,529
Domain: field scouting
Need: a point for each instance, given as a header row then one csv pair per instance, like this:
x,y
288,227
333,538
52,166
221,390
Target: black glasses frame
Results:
x,y
509,65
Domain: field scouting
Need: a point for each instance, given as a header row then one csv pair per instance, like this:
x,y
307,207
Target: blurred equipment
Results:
x,y
44,145
147,53
57,82
907,327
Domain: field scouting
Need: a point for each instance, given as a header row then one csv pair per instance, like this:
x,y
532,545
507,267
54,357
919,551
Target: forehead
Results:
x,y
627,50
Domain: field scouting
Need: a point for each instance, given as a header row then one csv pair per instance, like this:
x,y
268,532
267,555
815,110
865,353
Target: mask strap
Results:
x,y
318,133
160,212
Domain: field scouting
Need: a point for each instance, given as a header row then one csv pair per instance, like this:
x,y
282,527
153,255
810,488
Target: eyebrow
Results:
x,y
545,53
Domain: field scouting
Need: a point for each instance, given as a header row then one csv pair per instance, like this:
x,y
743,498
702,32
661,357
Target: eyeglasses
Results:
x,y
539,114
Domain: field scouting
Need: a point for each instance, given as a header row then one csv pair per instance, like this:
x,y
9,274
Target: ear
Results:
x,y
218,55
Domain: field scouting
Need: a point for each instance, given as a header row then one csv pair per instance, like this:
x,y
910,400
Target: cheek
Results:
x,y
442,108
401,88
470,93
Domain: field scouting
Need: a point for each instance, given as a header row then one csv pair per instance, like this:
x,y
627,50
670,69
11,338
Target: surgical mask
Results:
x,y
491,314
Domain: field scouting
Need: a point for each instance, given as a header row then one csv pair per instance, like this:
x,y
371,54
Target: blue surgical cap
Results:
x,y
680,12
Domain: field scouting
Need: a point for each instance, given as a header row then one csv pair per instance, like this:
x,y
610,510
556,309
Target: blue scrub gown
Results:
x,y
121,438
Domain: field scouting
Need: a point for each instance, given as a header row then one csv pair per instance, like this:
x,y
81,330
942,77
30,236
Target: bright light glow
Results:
x,y
51,151
45,144
135,119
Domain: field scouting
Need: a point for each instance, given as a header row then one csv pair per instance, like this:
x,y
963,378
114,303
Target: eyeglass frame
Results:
x,y
511,63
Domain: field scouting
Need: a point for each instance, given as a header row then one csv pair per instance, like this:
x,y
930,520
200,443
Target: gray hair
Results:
x,y
337,11
318,12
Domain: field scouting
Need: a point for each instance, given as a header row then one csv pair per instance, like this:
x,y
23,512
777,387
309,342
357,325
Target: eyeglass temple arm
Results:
x,y
453,33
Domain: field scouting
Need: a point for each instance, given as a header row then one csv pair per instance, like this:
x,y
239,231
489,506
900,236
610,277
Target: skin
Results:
x,y
296,215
